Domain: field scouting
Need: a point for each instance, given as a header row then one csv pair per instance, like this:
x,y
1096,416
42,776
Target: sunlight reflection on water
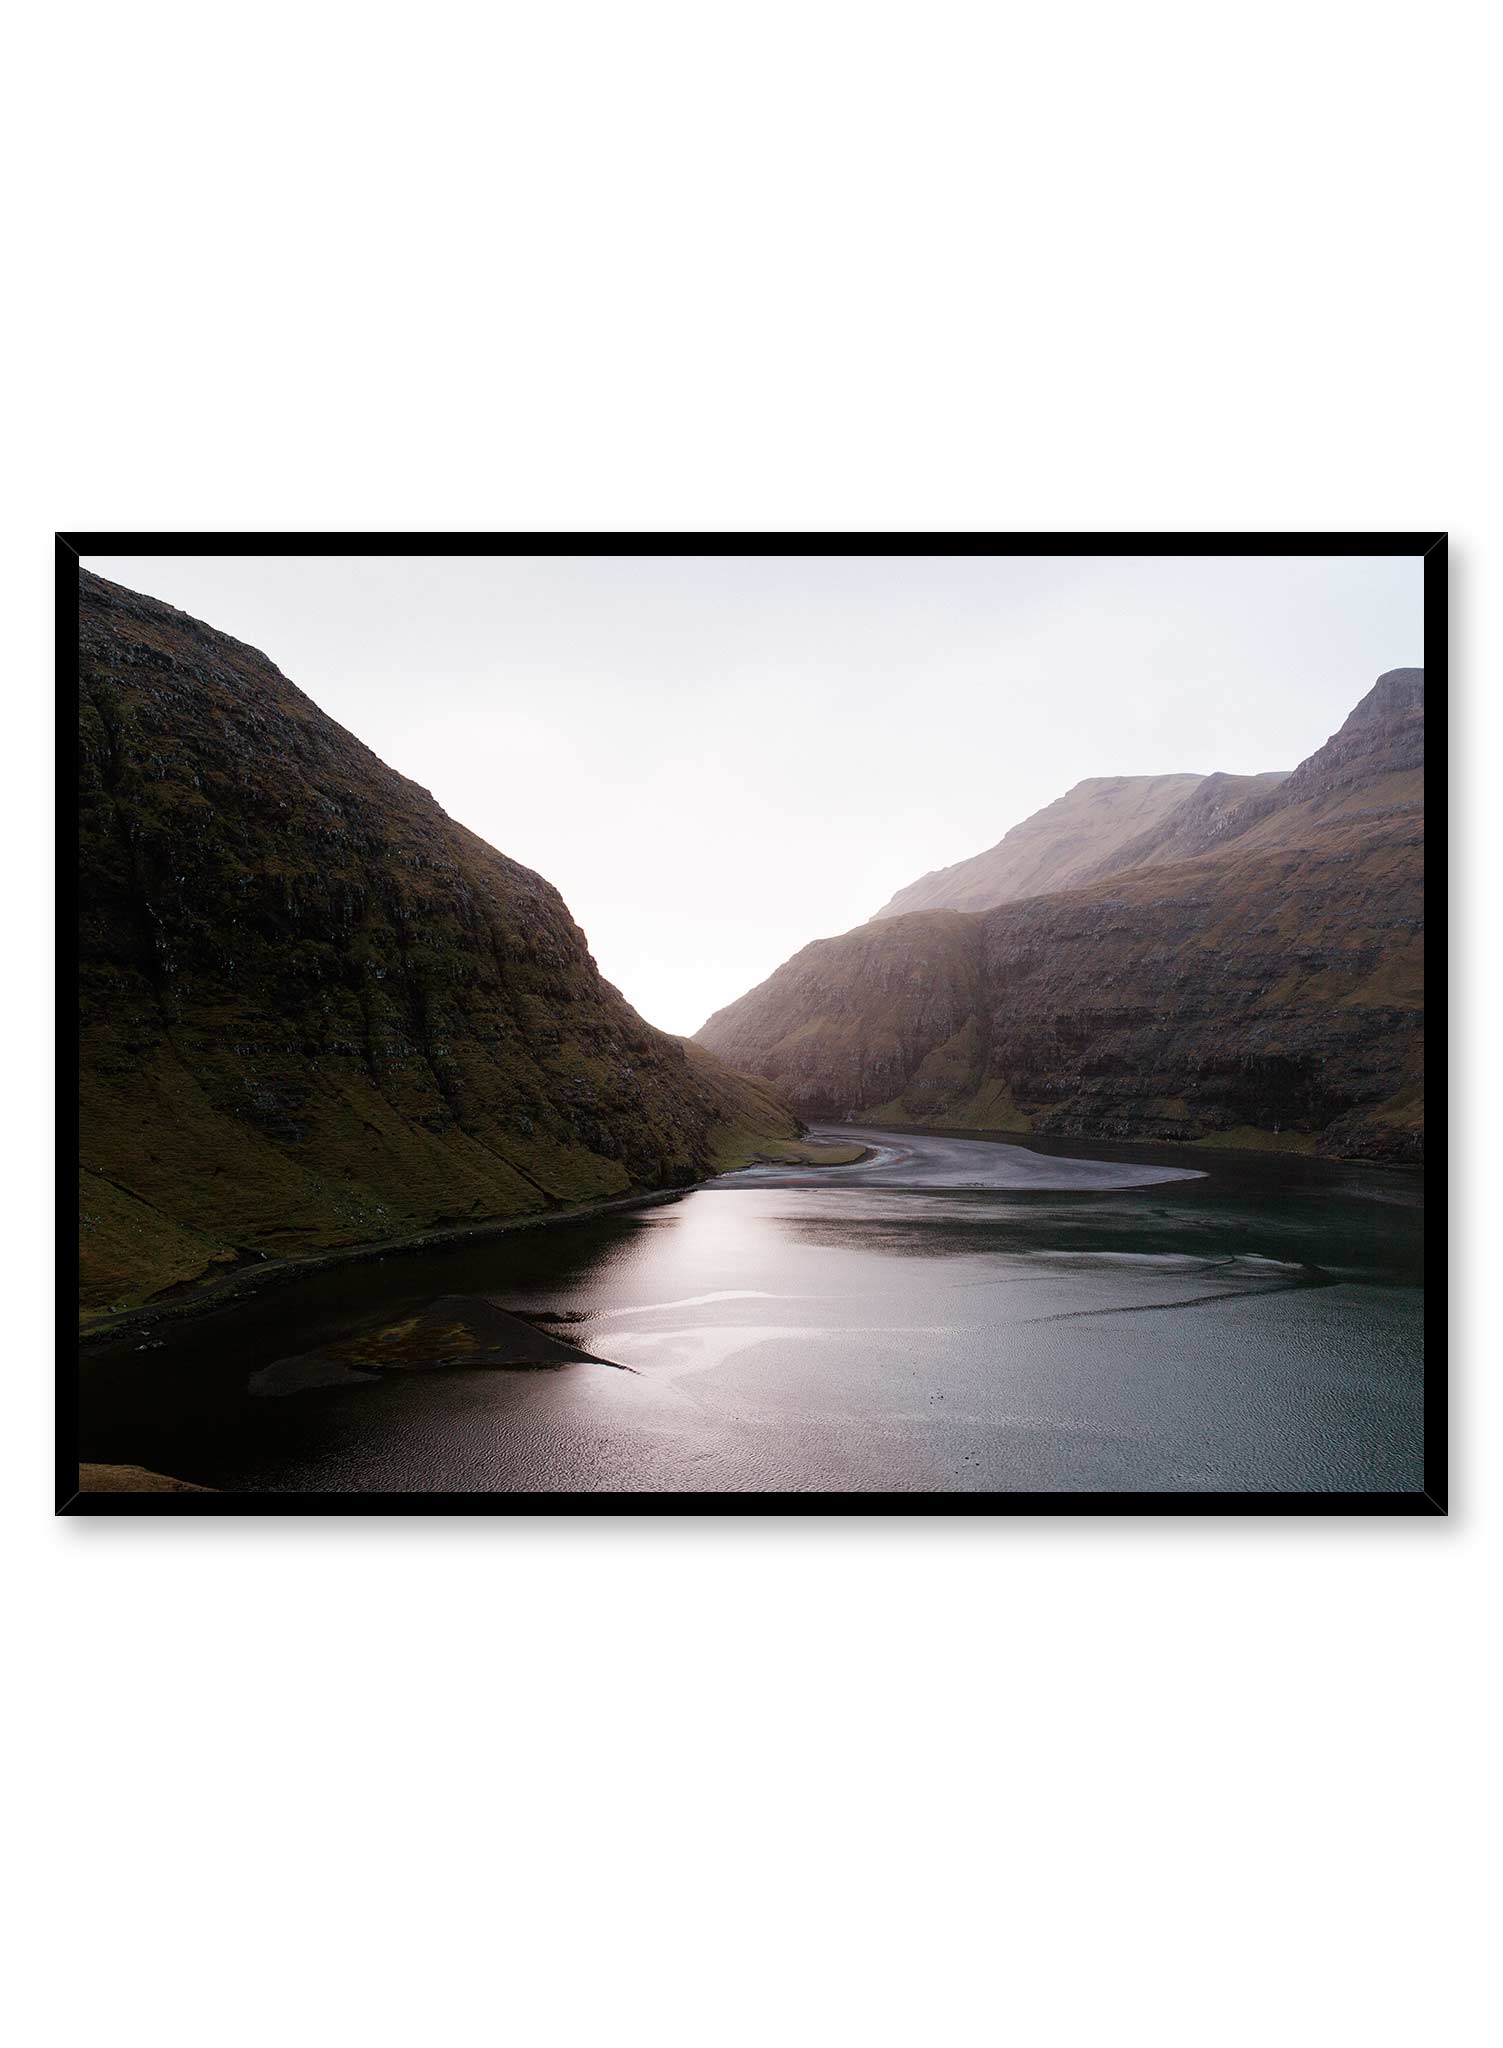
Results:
x,y
1251,1325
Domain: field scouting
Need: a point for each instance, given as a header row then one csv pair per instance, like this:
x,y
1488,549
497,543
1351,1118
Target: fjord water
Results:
x,y
951,1314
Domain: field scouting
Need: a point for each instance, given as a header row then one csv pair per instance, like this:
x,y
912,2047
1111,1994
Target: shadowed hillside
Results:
x,y
1268,991
314,1011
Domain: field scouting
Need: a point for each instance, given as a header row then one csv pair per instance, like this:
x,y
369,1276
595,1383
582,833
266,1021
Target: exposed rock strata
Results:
x,y
1214,811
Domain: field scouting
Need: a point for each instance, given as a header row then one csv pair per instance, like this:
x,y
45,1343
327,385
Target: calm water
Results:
x,y
958,1314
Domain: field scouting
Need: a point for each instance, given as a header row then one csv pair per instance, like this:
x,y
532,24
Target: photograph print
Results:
x,y
791,1023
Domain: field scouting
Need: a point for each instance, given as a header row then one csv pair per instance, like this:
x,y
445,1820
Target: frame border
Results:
x,y
1431,1500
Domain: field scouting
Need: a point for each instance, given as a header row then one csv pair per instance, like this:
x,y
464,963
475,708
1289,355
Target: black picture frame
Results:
x,y
1432,1499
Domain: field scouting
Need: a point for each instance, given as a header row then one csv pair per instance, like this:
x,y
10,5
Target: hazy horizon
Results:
x,y
717,759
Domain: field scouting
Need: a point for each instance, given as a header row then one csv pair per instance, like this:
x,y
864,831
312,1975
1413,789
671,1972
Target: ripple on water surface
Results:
x,y
1234,1325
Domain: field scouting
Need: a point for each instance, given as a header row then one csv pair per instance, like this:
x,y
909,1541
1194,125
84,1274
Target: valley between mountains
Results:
x,y
317,1015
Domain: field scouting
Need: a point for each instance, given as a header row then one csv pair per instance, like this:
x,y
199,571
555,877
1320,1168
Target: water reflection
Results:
x,y
1256,1326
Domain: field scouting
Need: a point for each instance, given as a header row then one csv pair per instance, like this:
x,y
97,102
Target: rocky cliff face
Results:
x,y
1366,776
1054,848
316,1012
1267,991
1200,823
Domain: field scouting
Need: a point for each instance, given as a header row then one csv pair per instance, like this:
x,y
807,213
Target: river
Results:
x,y
951,1314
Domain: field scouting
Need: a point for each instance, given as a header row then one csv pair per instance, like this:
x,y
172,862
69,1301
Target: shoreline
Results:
x,y
271,1272
109,1478
1209,1145
247,1280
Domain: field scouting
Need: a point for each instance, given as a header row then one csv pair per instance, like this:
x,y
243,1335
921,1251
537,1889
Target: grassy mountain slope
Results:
x,y
315,1011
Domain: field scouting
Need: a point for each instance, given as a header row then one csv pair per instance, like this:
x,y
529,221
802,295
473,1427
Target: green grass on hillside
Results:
x,y
1247,1138
991,1108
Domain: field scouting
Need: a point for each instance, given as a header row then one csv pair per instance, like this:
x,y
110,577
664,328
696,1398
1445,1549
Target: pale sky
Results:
x,y
716,760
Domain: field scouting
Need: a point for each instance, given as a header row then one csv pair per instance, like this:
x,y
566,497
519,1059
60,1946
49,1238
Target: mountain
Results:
x,y
1053,848
1267,990
314,1011
1366,776
1212,812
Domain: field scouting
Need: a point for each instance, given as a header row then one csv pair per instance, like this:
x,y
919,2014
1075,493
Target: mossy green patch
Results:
x,y
786,1152
991,1108
129,1250
1247,1138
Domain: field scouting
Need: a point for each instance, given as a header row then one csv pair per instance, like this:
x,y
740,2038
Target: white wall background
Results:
x,y
685,1781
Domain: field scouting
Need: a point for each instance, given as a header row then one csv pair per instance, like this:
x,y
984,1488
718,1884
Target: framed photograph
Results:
x,y
797,1023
